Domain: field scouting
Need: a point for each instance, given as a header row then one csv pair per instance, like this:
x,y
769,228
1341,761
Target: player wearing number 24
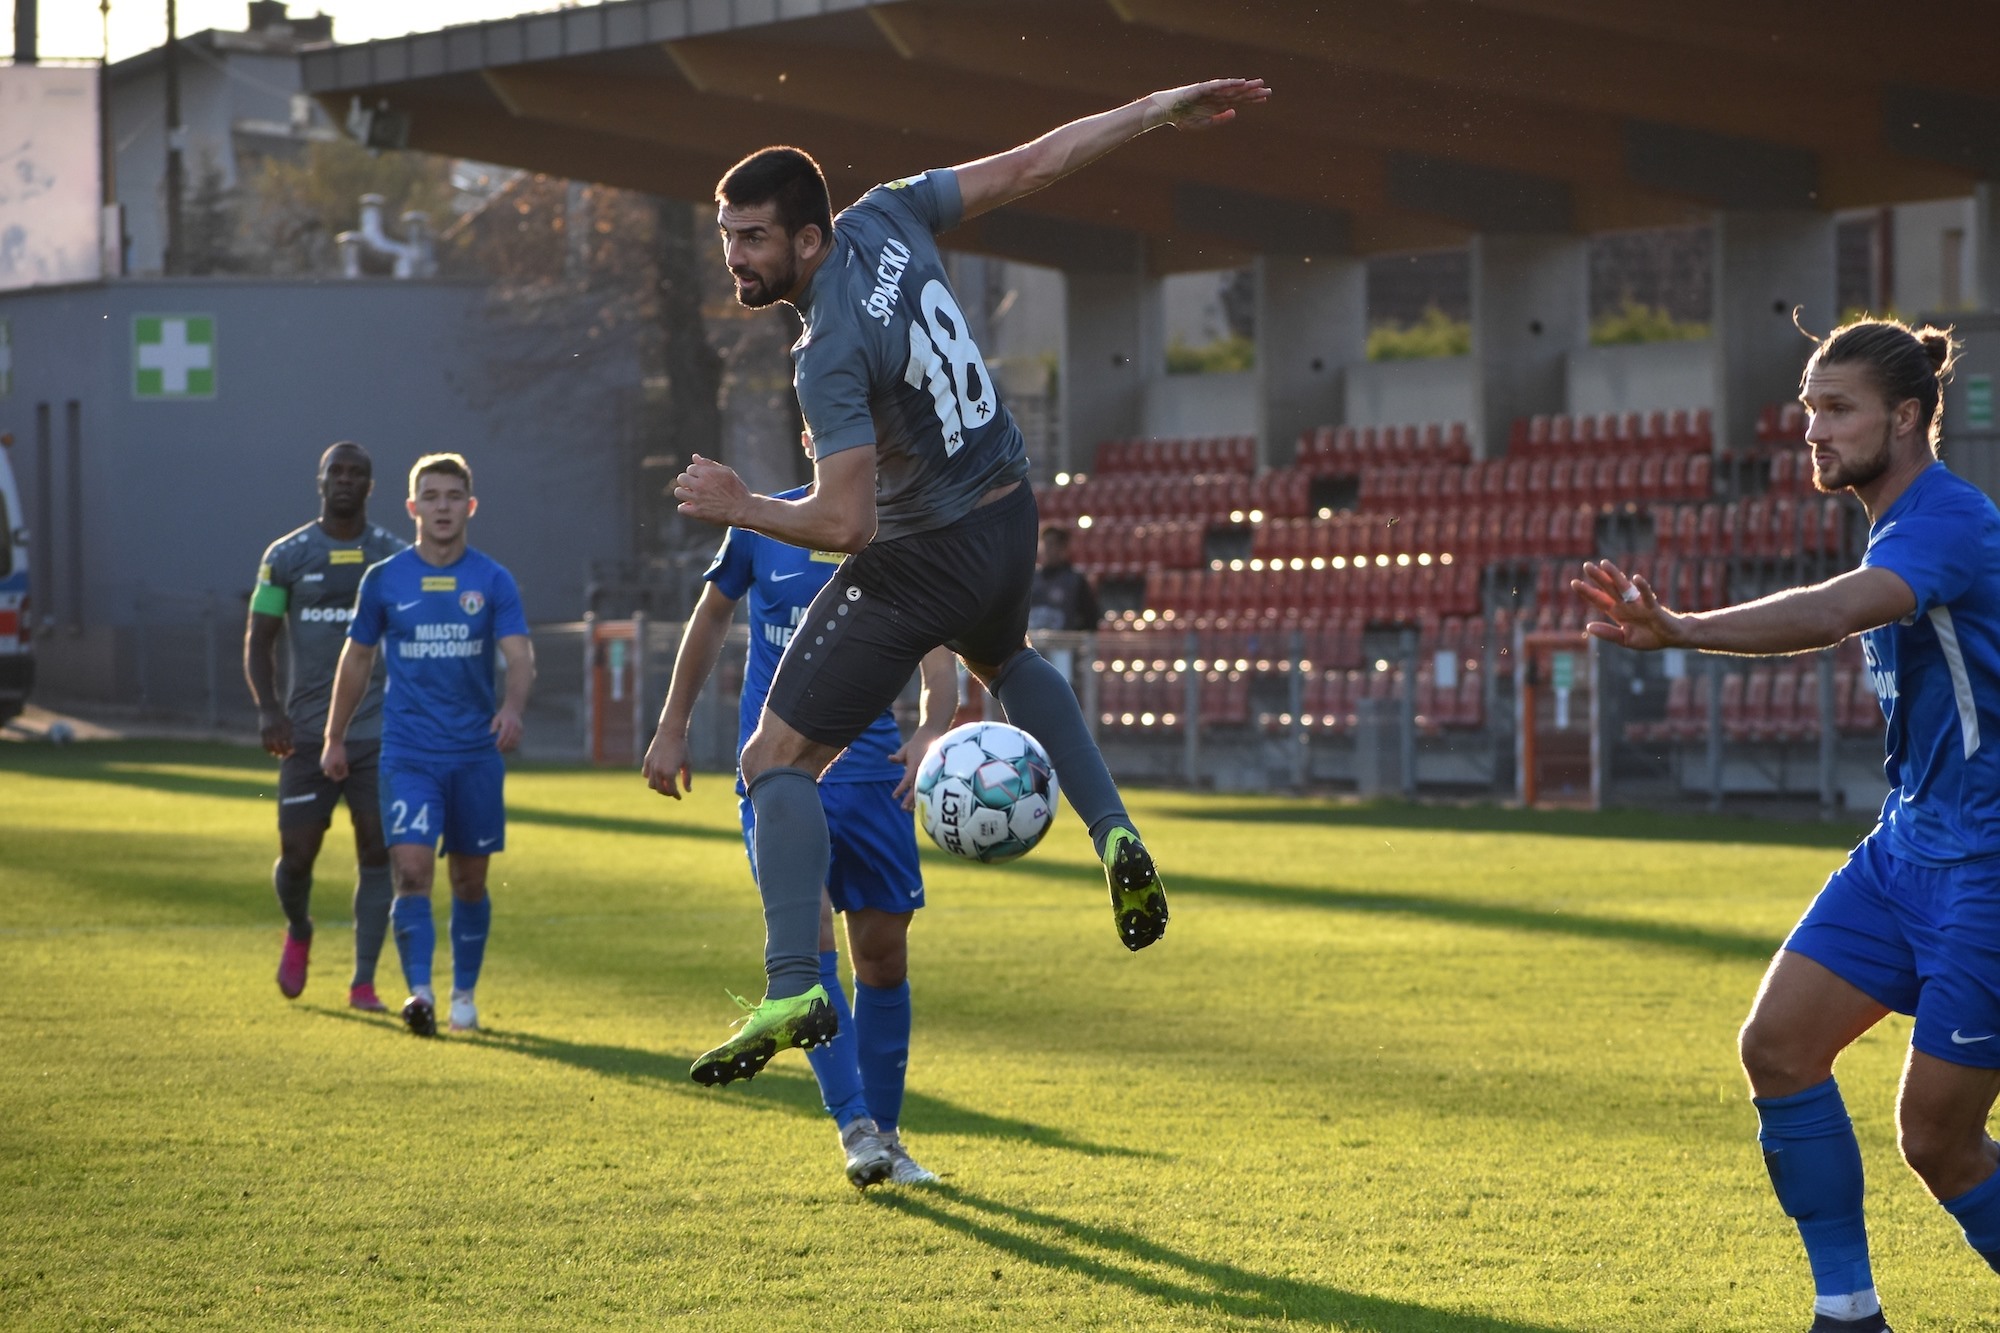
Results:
x,y
920,477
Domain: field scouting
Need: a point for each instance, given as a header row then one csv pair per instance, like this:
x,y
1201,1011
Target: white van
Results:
x,y
17,661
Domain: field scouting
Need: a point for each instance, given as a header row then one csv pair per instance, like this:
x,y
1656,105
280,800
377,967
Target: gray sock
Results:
x,y
1040,702
793,850
294,898
373,892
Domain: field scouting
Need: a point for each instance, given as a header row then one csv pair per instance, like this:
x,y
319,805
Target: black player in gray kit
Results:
x,y
305,588
920,475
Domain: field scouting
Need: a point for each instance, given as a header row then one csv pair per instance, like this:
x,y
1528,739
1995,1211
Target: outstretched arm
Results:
x,y
666,766
260,672
839,514
350,683
1001,179
937,702
519,654
1796,620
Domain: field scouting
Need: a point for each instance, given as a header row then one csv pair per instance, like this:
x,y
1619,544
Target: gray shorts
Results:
x,y
306,796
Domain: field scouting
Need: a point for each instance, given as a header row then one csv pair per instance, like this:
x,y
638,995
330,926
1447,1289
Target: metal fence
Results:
x,y
1609,727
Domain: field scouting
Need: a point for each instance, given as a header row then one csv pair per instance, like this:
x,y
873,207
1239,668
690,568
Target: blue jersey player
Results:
x,y
873,878
1911,922
438,613
919,474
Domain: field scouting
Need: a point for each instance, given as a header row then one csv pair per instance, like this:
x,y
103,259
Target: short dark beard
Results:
x,y
770,292
1860,472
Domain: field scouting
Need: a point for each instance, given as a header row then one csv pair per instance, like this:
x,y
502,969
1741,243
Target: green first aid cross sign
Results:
x,y
173,356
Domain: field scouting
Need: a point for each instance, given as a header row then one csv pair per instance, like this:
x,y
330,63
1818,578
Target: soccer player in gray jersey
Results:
x,y
919,473
305,589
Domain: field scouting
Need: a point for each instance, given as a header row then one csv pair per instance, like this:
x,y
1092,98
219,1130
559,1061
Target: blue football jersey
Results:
x,y
781,580
1937,672
438,626
886,358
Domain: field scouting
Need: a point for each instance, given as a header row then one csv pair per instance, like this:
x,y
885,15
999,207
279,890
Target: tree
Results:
x,y
296,206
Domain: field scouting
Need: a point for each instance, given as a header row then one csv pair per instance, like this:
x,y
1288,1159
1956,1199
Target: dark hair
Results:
x,y
326,456
452,465
786,177
1906,363
1058,531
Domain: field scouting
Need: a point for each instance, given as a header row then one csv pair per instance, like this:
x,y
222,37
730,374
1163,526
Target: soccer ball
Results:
x,y
986,792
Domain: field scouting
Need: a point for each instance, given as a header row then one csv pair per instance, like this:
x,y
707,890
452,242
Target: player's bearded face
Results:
x,y
1850,431
762,256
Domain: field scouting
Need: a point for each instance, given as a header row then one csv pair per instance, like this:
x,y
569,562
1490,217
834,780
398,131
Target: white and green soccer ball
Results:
x,y
986,791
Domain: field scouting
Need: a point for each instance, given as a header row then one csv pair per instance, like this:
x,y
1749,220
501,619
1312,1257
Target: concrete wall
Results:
x,y
1930,266
1642,377
175,500
1390,393
1196,405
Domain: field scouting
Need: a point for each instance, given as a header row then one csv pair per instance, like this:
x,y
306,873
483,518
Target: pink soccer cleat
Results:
x,y
292,966
364,998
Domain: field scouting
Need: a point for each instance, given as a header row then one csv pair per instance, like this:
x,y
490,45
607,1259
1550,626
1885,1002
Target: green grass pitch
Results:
x,y
1435,1070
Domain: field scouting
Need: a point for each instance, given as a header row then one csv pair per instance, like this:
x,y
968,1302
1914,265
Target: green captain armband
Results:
x,y
269,599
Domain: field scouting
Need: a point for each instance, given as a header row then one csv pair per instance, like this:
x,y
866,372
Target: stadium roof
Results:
x,y
1397,124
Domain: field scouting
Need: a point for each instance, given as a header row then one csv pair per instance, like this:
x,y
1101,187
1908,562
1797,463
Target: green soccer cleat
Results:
x,y
1138,899
802,1021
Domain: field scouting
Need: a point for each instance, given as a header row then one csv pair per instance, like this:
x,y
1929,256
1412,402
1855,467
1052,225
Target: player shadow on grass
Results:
x,y
1616,825
1496,916
781,1088
225,784
1114,1256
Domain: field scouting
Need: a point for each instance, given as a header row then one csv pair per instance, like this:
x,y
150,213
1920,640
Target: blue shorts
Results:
x,y
874,847
1921,940
456,801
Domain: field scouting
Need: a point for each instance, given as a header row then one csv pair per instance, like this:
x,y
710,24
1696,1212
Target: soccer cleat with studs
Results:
x,y
1872,1323
800,1021
464,1013
292,966
364,998
869,1159
420,1016
1138,899
903,1168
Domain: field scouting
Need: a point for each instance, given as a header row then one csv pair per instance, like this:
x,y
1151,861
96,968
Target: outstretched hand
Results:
x,y
1201,106
911,757
1632,614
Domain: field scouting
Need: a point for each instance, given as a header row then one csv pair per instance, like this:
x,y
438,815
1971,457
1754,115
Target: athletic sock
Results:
x,y
469,925
1039,701
882,1039
416,939
833,1063
1815,1166
1978,1212
792,852
294,898
373,892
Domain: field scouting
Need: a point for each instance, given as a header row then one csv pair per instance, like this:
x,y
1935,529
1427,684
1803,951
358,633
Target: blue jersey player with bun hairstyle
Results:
x,y
439,614
920,480
1911,922
873,878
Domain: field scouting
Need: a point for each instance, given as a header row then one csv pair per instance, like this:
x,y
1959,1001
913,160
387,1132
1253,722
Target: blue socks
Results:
x,y
469,924
833,1064
1815,1166
861,1070
1978,1212
416,939
882,1040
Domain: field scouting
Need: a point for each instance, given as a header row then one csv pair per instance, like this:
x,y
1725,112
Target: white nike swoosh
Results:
x,y
298,800
404,606
780,578
485,841
1957,1040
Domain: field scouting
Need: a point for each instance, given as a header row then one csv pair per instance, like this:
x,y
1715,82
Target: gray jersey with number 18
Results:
x,y
886,359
